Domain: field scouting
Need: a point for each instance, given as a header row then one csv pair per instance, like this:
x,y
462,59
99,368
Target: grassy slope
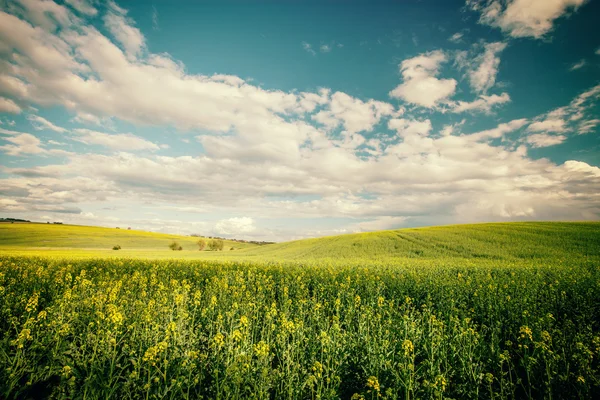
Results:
x,y
65,240
528,240
555,242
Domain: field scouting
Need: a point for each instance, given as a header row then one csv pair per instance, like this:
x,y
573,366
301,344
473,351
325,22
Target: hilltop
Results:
x,y
487,241
476,242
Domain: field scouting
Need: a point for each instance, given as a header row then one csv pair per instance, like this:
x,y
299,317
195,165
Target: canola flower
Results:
x,y
150,329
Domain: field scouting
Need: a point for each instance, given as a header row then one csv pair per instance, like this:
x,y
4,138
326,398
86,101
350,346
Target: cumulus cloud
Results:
x,y
9,106
421,86
127,35
482,104
548,125
235,226
354,114
523,18
482,74
267,152
40,123
24,143
121,141
82,6
406,127
545,140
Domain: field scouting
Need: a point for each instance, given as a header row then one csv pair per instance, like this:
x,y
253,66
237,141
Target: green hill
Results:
x,y
492,241
540,241
50,239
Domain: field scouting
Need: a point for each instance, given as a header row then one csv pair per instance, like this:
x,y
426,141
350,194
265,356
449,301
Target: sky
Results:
x,y
280,120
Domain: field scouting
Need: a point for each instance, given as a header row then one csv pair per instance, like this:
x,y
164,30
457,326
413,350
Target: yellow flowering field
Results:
x,y
440,328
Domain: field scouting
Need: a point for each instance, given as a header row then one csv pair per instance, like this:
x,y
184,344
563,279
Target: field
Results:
x,y
90,241
464,312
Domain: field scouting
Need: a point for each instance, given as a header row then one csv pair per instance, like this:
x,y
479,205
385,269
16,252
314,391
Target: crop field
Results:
x,y
490,311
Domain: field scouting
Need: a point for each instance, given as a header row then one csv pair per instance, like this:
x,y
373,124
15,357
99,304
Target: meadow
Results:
x,y
490,311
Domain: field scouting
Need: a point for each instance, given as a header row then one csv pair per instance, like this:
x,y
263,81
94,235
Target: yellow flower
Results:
x,y
66,371
262,349
219,340
408,347
525,332
32,303
373,383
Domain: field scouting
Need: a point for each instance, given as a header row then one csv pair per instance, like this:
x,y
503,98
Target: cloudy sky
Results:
x,y
277,120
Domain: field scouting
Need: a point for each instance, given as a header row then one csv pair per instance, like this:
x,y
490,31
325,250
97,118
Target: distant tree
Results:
x,y
180,248
216,244
174,246
201,244
117,247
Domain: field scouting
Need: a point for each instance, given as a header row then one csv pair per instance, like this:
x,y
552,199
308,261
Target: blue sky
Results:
x,y
278,120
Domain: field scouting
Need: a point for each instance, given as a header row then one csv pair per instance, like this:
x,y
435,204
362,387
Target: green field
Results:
x,y
463,312
92,241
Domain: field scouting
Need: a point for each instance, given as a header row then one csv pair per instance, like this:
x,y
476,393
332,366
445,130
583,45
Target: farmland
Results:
x,y
473,311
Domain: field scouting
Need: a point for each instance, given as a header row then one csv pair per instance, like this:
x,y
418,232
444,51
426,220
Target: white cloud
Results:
x,y
235,226
24,143
378,224
548,125
265,155
578,65
483,103
83,6
483,76
354,114
129,36
406,128
500,130
123,141
420,84
155,25
308,48
325,48
523,18
545,140
587,126
456,38
40,123
9,106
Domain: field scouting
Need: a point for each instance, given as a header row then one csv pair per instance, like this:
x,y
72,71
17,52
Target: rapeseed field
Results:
x,y
496,327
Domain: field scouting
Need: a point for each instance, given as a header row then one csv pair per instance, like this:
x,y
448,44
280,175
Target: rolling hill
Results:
x,y
75,240
476,242
524,240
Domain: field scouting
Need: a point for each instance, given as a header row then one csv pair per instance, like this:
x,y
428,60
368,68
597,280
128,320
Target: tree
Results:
x,y
174,246
216,244
201,244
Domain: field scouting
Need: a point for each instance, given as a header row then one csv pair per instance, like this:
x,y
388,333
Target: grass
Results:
x,y
473,244
490,311
90,241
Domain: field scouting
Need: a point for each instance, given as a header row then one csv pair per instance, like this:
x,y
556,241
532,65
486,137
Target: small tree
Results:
x,y
201,244
117,247
174,246
216,244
